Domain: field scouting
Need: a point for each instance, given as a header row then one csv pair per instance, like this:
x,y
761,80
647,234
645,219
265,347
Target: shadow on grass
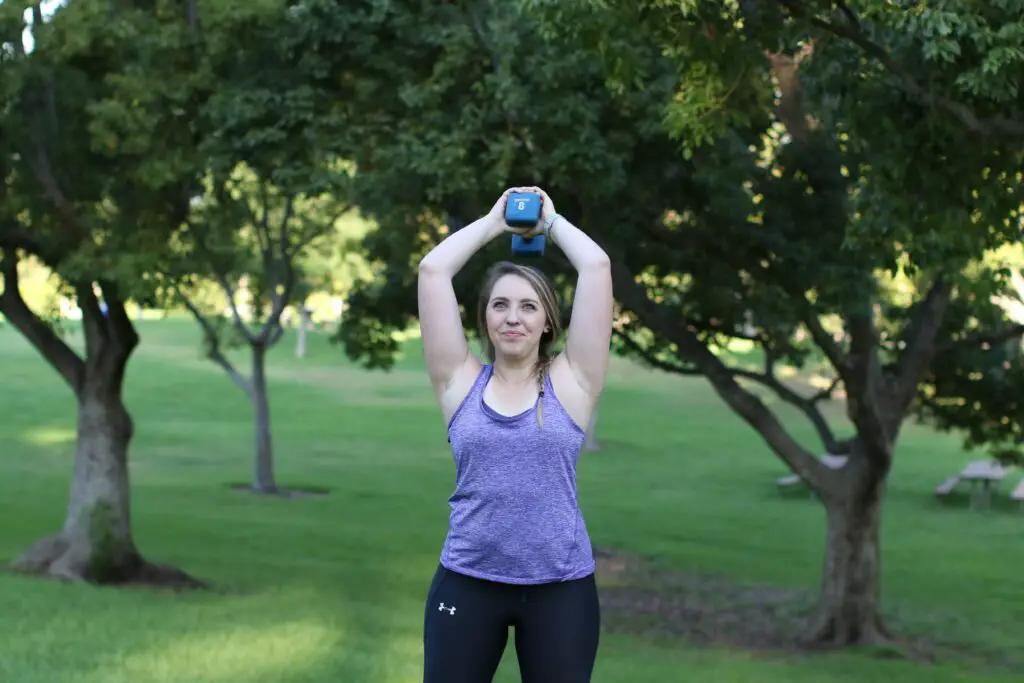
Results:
x,y
357,627
640,598
282,492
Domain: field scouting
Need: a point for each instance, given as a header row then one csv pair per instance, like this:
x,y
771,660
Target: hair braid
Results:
x,y
543,365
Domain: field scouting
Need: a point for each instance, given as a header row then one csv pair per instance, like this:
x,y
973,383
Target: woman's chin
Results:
x,y
514,350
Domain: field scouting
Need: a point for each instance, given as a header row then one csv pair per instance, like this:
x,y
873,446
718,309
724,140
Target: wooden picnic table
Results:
x,y
982,474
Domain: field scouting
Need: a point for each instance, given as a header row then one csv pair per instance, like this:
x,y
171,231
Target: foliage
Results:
x,y
333,264
976,389
273,181
755,235
96,130
250,235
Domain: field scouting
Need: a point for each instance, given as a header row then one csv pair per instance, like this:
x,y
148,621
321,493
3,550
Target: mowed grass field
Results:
x,y
330,589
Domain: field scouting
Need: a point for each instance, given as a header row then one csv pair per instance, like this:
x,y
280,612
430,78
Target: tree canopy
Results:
x,y
839,219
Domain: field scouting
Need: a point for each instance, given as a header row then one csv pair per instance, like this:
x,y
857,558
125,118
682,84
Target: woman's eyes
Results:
x,y
528,307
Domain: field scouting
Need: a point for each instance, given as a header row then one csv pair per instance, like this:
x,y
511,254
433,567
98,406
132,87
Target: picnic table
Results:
x,y
835,462
982,476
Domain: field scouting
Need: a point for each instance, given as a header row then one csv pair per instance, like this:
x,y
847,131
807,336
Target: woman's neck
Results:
x,y
515,372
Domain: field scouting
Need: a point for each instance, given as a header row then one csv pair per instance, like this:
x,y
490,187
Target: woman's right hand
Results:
x,y
497,212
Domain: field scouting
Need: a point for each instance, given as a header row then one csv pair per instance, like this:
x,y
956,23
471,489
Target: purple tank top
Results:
x,y
515,516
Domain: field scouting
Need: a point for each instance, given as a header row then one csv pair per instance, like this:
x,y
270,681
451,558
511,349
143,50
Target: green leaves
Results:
x,y
781,223
976,384
276,104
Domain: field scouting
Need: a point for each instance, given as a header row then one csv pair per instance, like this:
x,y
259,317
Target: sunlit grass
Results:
x,y
49,436
239,653
331,589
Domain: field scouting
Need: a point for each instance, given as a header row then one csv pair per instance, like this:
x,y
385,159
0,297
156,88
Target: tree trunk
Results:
x,y
95,543
848,608
304,323
264,467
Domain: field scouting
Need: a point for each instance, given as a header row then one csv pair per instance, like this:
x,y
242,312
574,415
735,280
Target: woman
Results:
x,y
517,551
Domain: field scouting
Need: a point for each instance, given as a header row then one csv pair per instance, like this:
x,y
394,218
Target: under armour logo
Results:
x,y
451,610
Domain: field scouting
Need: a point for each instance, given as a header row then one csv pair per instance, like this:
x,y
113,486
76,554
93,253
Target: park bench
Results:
x,y
1018,493
946,487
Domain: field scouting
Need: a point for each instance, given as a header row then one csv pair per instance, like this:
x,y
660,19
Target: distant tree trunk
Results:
x,y
304,322
590,441
95,543
848,608
264,481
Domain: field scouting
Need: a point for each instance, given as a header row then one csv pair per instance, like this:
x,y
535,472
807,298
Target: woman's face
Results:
x,y
516,321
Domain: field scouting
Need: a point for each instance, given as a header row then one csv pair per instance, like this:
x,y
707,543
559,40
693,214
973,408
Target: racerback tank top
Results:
x,y
515,516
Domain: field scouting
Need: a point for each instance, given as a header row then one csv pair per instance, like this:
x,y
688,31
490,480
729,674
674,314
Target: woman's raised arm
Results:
x,y
588,341
444,341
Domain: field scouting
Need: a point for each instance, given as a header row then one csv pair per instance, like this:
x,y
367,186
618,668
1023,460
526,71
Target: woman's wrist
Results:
x,y
549,227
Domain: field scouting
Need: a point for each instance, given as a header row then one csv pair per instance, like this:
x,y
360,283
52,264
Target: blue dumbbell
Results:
x,y
523,210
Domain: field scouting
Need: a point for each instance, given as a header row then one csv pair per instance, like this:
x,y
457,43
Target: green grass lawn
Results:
x,y
331,589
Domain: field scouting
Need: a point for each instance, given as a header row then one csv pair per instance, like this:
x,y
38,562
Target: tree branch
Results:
x,y
308,238
745,404
988,126
38,107
279,272
213,351
864,388
93,326
119,337
52,348
980,338
199,240
920,346
767,379
850,15
694,241
651,359
809,406
120,326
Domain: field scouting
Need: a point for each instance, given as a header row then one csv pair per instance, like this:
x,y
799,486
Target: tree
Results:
x,y
759,220
245,228
94,144
275,183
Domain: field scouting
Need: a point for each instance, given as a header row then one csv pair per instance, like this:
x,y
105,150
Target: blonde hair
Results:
x,y
548,301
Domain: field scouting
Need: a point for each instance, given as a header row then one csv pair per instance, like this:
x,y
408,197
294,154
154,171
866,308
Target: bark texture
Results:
x,y
95,543
848,611
264,480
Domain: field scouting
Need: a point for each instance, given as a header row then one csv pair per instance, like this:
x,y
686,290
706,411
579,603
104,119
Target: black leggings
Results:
x,y
466,629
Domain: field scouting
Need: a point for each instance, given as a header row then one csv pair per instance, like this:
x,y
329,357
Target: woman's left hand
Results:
x,y
546,213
